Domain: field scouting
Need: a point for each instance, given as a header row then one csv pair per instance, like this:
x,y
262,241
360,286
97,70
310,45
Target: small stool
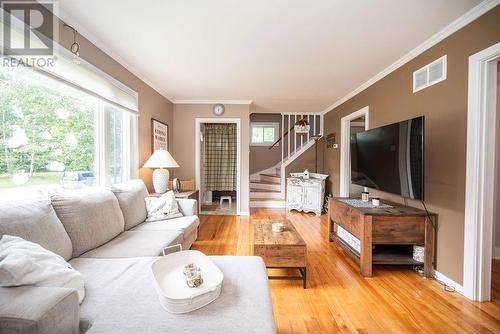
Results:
x,y
225,198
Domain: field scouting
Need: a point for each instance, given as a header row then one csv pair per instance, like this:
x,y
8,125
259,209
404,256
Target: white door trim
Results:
x,y
237,121
479,187
345,139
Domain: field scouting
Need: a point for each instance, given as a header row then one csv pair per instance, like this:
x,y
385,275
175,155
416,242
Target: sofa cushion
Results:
x,y
131,197
91,217
184,224
26,263
36,221
122,299
39,310
136,244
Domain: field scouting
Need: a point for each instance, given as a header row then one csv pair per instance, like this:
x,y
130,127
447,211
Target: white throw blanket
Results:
x,y
161,208
26,263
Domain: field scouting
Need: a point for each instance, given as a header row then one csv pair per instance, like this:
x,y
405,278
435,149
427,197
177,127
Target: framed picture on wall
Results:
x,y
159,133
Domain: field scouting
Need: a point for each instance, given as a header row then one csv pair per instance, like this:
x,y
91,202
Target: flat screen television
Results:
x,y
390,158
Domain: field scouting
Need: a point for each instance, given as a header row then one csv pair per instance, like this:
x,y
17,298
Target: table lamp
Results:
x,y
159,161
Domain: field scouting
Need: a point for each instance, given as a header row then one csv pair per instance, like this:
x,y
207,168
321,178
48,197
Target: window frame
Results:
x,y
263,125
129,142
102,136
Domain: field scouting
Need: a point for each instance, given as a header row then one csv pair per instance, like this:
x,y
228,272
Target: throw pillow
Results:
x,y
161,208
26,263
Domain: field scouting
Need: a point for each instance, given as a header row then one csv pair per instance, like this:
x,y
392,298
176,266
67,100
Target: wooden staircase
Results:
x,y
265,192
267,188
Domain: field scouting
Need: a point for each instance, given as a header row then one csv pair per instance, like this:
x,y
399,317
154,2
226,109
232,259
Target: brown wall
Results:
x,y
307,160
445,108
261,157
184,141
151,103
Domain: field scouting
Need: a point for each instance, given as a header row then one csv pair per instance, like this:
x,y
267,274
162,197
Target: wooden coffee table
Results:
x,y
284,250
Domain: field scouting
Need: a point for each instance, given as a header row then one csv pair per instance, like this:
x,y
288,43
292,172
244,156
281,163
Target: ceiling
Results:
x,y
285,56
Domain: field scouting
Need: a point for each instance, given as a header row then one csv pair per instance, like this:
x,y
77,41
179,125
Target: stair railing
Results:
x,y
292,144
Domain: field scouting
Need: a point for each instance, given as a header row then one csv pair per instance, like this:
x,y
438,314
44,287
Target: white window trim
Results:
x,y
275,125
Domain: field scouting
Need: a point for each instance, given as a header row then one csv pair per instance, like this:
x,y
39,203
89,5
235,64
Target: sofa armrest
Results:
x,y
30,310
188,207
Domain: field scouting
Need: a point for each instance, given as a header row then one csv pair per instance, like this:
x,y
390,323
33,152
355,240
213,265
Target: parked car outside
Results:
x,y
78,179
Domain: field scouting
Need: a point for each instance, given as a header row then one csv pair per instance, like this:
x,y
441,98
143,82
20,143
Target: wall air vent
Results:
x,y
429,74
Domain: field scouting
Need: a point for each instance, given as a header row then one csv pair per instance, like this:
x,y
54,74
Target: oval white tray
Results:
x,y
174,294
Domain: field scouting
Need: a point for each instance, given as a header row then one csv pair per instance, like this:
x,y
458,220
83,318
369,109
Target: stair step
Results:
x,y
256,190
265,185
267,203
271,175
269,178
265,182
267,199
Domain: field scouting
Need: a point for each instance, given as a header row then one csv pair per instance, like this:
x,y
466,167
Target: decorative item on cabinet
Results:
x,y
305,194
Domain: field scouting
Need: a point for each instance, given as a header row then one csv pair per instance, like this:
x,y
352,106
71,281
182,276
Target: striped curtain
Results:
x,y
220,157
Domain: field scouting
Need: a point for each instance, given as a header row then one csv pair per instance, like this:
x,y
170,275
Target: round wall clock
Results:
x,y
218,109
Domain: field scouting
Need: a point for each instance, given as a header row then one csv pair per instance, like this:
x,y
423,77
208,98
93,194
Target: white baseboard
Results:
x,y
244,214
448,281
496,254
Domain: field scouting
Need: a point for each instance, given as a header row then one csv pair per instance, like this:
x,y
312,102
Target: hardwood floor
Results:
x,y
338,299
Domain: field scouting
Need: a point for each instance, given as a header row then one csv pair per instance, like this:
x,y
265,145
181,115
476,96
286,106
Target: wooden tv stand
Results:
x,y
383,233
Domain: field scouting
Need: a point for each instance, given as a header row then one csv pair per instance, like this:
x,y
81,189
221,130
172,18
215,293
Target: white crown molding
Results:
x,y
451,28
63,15
212,101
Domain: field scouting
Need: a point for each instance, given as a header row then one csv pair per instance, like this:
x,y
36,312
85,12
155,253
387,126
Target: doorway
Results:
x,y
481,190
357,121
218,165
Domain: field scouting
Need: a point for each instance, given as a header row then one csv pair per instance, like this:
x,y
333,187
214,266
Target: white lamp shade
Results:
x,y
161,159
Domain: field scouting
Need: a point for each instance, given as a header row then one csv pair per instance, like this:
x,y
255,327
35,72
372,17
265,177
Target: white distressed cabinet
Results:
x,y
305,194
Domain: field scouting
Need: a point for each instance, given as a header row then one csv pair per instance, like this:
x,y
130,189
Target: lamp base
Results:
x,y
160,180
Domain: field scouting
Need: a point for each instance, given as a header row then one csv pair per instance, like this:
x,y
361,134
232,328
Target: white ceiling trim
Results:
x,y
212,101
102,46
453,27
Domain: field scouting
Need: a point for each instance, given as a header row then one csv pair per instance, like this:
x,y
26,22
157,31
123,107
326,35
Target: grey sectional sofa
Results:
x,y
102,234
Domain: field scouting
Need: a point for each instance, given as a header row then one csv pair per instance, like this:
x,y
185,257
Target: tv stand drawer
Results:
x,y
348,219
403,230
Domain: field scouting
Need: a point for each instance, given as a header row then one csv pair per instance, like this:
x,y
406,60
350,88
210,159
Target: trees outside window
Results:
x,y
52,133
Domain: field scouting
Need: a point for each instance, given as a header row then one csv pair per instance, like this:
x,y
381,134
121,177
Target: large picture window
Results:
x,y
55,134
